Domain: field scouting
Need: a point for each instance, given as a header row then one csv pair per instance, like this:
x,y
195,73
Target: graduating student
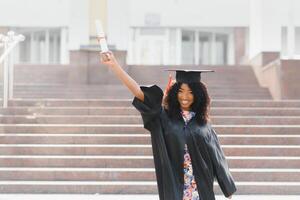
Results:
x,y
186,150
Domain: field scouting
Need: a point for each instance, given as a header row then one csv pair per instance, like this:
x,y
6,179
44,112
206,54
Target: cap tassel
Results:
x,y
169,85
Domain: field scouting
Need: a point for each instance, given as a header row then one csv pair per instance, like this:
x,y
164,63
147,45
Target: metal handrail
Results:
x,y
9,42
13,40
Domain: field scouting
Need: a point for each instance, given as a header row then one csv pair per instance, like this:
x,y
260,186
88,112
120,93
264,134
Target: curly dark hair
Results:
x,y
200,106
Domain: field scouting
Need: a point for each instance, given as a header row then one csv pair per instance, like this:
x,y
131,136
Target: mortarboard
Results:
x,y
188,76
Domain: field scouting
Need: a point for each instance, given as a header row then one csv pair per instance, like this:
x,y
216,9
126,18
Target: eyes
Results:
x,y
188,91
184,89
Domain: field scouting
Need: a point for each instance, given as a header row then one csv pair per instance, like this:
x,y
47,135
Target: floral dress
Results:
x,y
190,191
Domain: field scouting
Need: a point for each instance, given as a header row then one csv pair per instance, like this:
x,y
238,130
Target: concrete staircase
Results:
x,y
110,91
58,144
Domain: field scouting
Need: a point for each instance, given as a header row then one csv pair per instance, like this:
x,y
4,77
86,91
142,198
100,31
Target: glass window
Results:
x,y
284,51
297,40
24,49
149,46
221,49
172,46
205,48
54,47
151,51
40,46
188,47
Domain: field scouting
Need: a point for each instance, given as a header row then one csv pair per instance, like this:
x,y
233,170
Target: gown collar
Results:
x,y
187,115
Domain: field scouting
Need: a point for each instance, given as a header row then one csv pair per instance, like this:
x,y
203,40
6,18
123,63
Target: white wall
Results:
x,y
33,13
192,12
296,14
78,17
123,14
118,17
266,22
72,14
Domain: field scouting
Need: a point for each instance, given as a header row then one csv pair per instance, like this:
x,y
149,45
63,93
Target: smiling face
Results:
x,y
185,97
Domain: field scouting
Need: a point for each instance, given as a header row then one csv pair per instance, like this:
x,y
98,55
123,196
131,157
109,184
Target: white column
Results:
x,y
47,46
17,54
230,49
265,26
178,46
196,57
32,48
55,48
134,46
130,46
64,53
5,78
137,49
11,74
213,49
166,48
291,31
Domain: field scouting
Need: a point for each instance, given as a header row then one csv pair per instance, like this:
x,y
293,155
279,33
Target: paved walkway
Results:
x,y
131,197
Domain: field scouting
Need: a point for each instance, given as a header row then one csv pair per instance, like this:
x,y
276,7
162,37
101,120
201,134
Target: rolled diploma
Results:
x,y
101,36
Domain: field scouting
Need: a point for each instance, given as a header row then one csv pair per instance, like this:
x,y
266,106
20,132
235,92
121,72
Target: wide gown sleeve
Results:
x,y
151,107
220,165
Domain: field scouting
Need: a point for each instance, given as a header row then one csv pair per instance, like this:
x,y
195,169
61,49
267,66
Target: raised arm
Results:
x,y
108,59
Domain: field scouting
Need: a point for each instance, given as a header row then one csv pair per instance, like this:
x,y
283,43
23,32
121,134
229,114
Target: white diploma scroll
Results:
x,y
101,36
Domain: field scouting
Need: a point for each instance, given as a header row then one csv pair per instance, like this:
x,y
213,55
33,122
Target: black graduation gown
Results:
x,y
168,138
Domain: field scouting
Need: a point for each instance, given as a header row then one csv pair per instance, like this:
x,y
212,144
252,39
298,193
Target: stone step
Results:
x,y
220,88
256,120
127,102
138,187
239,111
133,174
226,91
125,91
138,129
136,161
255,103
227,139
120,87
70,111
117,85
136,119
234,96
225,94
141,150
215,111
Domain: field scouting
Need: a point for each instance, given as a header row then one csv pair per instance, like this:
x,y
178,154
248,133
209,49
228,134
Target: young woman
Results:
x,y
187,154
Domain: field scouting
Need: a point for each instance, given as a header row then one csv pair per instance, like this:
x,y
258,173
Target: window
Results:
x,y
221,49
205,48
40,46
297,40
169,46
188,47
284,51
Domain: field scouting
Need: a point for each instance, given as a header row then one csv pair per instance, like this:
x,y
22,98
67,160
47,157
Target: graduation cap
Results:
x,y
189,76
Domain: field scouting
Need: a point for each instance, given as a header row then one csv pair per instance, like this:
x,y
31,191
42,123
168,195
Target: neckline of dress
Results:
x,y
187,115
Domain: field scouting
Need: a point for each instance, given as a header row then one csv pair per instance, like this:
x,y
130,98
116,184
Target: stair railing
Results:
x,y
9,42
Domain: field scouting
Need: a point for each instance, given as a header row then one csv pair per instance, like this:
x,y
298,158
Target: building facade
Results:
x,y
51,28
157,32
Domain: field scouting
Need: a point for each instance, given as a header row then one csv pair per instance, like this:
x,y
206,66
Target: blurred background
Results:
x,y
67,124
60,34
155,32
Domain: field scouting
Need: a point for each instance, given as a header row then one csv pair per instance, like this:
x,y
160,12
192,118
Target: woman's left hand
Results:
x,y
169,85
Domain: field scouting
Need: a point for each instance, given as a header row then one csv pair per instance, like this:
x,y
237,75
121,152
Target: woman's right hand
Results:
x,y
108,58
